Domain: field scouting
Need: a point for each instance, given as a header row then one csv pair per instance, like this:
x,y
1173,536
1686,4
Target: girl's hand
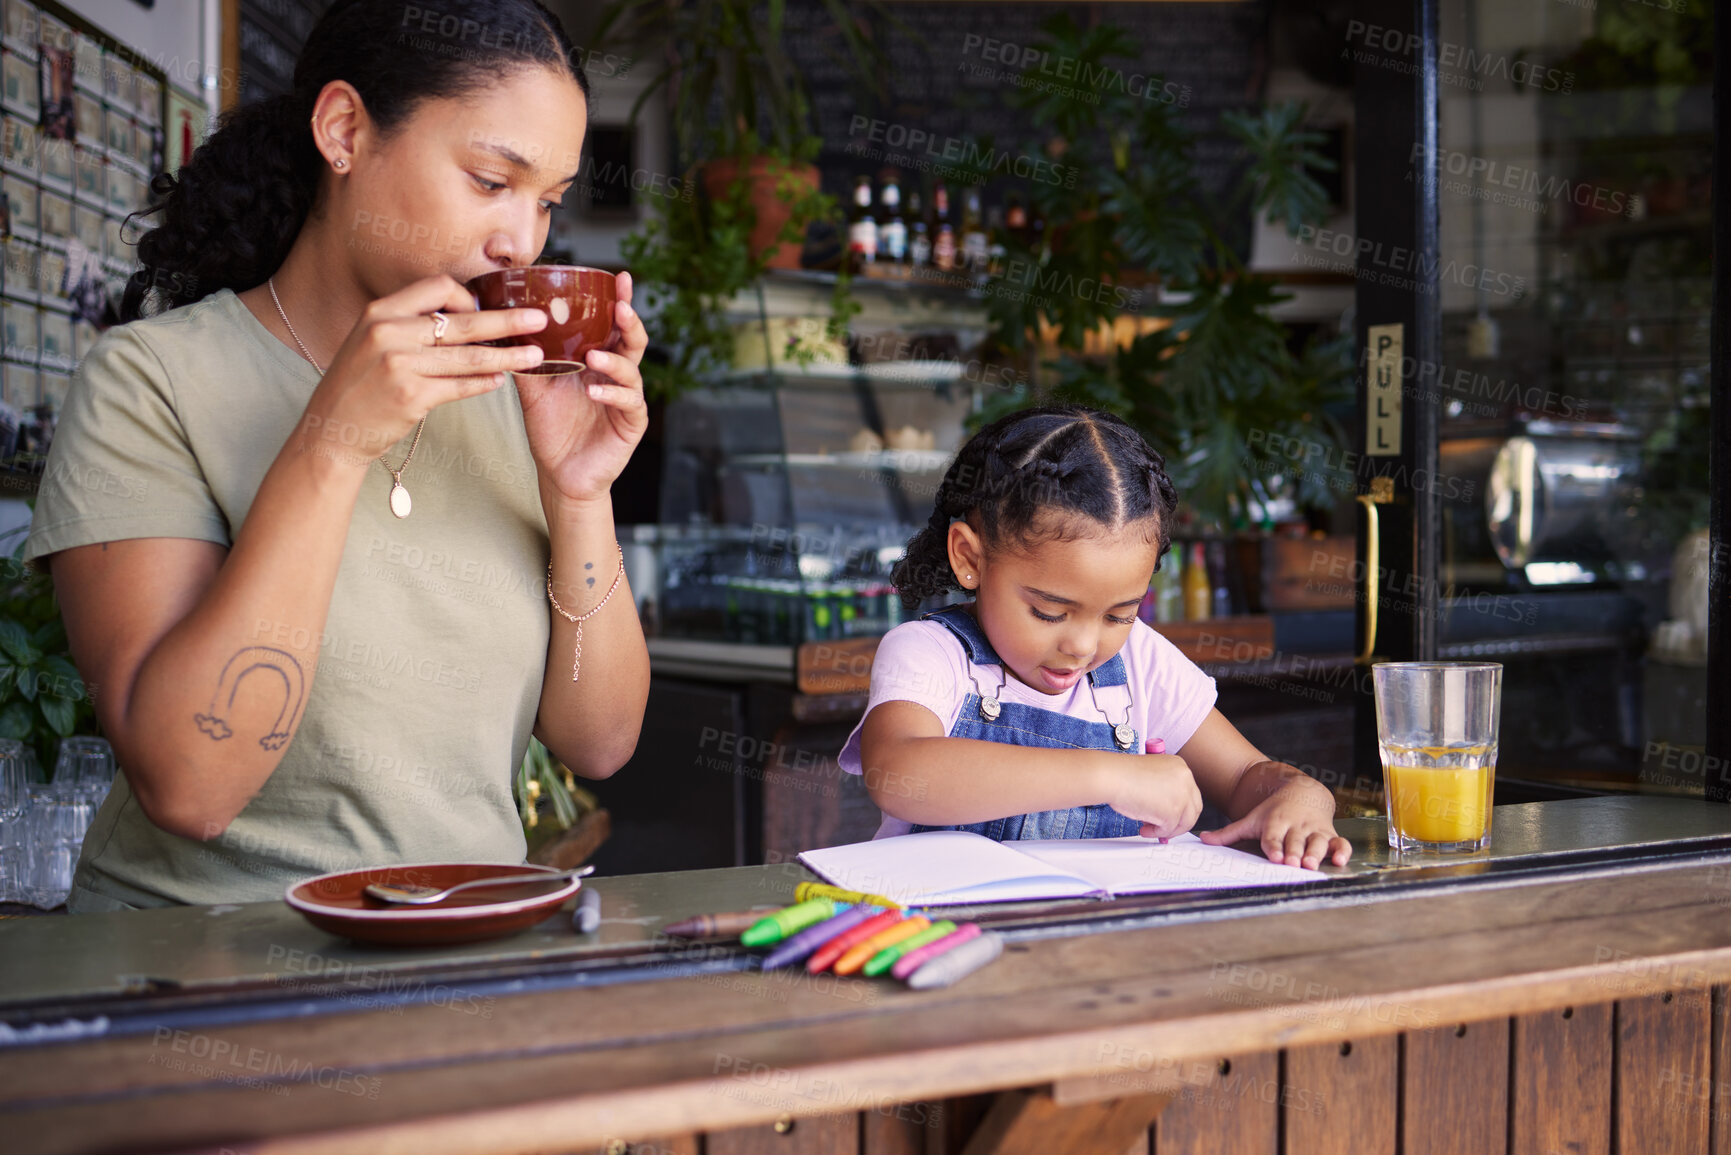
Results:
x,y
1295,825
1158,790
583,426
389,374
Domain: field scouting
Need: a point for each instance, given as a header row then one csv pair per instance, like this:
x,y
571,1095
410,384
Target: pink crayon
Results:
x,y
908,963
1156,746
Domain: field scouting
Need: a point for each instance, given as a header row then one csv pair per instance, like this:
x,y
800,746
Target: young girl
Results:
x,y
1044,708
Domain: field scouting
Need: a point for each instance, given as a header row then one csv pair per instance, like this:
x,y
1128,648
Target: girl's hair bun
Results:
x,y
1063,459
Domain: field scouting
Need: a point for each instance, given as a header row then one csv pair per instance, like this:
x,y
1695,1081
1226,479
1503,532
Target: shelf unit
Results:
x,y
70,181
790,490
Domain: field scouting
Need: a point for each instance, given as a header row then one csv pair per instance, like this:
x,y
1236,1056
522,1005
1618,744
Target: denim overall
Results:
x,y
1021,725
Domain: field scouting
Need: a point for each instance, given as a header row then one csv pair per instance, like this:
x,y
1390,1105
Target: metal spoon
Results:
x,y
424,895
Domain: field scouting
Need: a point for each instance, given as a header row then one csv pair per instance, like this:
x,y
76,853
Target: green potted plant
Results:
x,y
692,258
1211,387
563,823
730,56
42,697
742,126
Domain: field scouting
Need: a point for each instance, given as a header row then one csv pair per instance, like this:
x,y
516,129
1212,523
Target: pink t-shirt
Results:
x,y
923,662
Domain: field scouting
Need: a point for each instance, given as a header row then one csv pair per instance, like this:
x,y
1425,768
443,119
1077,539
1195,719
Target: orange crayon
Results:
x,y
858,955
844,942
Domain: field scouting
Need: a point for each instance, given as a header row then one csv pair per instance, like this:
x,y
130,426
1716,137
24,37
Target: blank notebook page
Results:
x,y
939,866
954,866
1137,865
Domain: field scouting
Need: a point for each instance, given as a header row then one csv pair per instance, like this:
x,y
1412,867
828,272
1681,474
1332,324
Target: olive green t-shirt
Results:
x,y
430,667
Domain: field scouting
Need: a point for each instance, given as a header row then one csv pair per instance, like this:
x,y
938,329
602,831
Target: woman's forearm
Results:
x,y
198,741
592,724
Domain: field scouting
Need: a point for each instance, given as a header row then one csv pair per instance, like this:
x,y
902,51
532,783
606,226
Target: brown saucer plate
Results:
x,y
336,903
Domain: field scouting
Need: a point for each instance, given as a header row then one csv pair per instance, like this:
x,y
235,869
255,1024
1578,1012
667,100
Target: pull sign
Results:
x,y
1382,416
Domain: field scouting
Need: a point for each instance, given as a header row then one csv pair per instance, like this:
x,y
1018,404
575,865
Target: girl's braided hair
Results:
x,y
1014,473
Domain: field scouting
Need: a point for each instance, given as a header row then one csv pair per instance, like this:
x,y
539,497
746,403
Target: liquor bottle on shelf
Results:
x,y
944,243
919,239
996,235
1016,220
1198,593
892,229
974,244
1168,587
862,227
1220,592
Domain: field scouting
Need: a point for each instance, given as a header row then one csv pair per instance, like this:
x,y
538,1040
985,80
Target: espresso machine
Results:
x,y
1553,504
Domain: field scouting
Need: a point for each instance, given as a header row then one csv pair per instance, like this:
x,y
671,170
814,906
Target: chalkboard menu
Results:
x,y
954,69
271,35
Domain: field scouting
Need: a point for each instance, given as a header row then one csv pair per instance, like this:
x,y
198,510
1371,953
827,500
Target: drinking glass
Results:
x,y
1436,726
54,833
86,766
14,801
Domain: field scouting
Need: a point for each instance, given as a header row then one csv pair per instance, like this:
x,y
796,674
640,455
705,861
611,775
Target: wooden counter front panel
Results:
x,y
1447,1090
1231,1107
1455,1089
812,1135
1354,1086
1664,1077
1562,1081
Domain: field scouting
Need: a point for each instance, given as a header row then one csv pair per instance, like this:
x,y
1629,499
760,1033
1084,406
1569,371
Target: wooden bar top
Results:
x,y
1113,1012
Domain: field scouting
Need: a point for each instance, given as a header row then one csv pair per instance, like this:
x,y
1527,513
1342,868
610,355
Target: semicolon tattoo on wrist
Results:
x,y
589,565
244,662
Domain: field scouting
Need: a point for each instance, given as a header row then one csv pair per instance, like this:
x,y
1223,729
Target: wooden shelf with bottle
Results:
x,y
843,666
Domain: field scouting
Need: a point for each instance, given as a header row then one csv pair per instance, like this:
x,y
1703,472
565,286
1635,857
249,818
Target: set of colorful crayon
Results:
x,y
853,933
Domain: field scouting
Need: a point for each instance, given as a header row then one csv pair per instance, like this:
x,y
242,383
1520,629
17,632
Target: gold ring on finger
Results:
x,y
440,321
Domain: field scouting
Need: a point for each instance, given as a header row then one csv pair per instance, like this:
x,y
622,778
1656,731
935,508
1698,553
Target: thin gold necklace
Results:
x,y
400,503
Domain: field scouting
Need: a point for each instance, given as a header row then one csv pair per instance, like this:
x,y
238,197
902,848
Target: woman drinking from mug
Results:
x,y
325,559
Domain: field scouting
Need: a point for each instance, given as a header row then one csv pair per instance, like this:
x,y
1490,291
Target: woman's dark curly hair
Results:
x,y
1015,473
231,213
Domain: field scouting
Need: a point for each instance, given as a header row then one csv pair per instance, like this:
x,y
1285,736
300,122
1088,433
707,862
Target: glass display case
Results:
x,y
787,497
790,490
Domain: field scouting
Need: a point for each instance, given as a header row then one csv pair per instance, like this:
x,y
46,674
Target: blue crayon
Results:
x,y
808,940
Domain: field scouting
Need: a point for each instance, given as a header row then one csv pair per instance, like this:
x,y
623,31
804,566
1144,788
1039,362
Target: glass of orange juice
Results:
x,y
1436,725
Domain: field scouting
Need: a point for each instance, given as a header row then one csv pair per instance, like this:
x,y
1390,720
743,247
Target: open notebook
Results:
x,y
954,867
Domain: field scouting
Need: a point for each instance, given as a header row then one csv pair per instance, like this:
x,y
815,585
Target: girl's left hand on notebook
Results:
x,y
1295,825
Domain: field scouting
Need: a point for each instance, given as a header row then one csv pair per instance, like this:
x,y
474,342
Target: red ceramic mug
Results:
x,y
578,302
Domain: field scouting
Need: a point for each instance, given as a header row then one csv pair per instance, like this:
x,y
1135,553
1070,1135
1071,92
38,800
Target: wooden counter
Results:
x,y
1563,1005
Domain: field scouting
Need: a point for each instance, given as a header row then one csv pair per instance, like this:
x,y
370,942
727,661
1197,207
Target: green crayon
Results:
x,y
788,921
886,958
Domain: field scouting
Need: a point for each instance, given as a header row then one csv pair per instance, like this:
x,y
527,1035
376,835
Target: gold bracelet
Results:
x,y
578,620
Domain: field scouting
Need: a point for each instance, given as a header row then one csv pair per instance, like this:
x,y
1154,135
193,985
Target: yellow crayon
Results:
x,y
807,890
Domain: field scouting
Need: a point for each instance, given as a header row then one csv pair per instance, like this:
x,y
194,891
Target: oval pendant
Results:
x,y
1125,735
400,503
990,709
